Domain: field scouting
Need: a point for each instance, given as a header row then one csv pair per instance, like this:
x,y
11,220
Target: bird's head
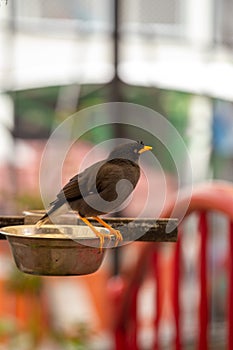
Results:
x,y
130,151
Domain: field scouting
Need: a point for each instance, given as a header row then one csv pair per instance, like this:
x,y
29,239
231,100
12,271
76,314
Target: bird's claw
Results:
x,y
113,231
101,237
117,235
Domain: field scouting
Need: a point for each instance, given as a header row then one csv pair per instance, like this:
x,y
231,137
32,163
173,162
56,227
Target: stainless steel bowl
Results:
x,y
55,250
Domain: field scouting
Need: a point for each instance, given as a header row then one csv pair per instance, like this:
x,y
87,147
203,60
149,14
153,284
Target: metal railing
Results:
x,y
206,198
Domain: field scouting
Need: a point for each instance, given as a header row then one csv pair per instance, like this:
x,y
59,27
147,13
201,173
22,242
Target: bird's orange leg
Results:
x,y
98,234
116,233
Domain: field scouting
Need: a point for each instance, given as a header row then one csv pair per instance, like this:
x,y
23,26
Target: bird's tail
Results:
x,y
57,208
42,221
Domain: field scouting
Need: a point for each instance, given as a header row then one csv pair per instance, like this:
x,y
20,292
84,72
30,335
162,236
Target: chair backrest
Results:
x,y
205,198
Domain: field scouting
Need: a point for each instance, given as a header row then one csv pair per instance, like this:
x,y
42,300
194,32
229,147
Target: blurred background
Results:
x,y
58,57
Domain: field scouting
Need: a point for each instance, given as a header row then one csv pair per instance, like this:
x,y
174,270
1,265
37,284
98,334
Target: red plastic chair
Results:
x,y
208,197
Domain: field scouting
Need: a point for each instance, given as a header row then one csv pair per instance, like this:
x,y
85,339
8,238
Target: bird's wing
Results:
x,y
110,180
117,180
113,186
102,177
81,184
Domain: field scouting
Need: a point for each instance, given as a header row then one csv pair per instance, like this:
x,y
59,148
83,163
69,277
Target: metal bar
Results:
x,y
229,305
133,326
176,292
158,297
203,306
143,230
116,96
10,221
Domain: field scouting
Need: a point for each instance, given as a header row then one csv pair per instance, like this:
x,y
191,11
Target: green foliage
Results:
x,y
7,327
37,114
76,338
27,201
19,282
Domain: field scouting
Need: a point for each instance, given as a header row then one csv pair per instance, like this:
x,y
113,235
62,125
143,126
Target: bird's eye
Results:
x,y
135,150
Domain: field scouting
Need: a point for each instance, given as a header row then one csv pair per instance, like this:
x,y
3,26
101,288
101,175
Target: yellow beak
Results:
x,y
144,149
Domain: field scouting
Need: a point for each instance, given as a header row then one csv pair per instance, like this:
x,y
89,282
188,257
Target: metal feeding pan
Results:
x,y
55,250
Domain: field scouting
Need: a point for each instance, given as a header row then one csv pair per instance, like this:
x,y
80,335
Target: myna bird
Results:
x,y
101,188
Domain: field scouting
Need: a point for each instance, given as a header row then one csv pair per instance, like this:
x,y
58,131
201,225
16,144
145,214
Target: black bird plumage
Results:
x,y
102,187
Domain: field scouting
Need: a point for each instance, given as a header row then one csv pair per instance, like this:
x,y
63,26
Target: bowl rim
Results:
x,y
6,231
